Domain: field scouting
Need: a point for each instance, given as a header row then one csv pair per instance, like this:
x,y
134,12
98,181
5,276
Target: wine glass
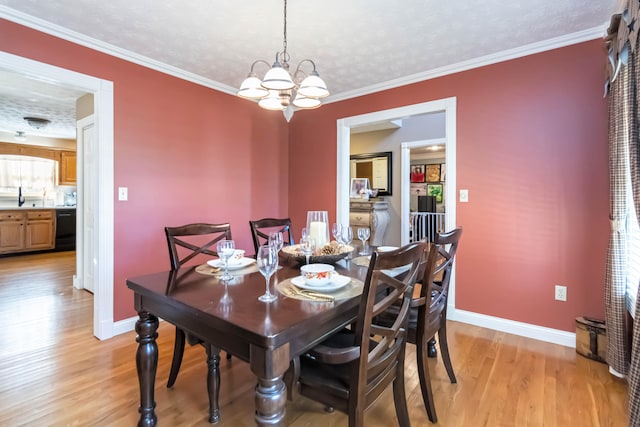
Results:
x,y
307,246
276,239
267,260
347,237
363,235
225,250
336,231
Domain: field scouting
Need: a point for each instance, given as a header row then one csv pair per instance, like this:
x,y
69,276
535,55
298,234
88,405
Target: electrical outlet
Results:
x,y
561,293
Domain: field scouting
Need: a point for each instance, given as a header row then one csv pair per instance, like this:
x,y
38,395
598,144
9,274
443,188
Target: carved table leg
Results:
x,y
147,364
270,402
213,382
269,365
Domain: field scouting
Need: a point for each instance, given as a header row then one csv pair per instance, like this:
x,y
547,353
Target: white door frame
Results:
x,y
103,326
448,105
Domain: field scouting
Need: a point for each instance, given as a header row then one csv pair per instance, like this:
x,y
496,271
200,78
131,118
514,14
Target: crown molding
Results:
x,y
505,55
89,42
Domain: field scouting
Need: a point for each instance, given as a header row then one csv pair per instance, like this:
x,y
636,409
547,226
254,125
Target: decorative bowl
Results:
x,y
317,274
294,253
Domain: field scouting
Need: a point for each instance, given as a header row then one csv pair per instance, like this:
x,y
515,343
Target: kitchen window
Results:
x,y
35,175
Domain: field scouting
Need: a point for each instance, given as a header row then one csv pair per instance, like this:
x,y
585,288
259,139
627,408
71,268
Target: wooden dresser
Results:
x,y
372,213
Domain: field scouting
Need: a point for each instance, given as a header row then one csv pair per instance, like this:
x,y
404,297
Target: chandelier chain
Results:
x,y
285,32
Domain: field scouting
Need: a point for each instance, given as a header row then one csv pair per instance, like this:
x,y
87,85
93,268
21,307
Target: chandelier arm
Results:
x,y
259,61
299,70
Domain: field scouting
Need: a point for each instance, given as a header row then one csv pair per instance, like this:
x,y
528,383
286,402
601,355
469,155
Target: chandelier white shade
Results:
x,y
279,87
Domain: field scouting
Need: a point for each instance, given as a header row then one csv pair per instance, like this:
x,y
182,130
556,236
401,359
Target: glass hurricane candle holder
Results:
x,y
318,227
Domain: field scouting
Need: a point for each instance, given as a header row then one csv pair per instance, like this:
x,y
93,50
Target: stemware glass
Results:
x,y
225,251
347,237
336,232
363,235
276,239
307,246
267,260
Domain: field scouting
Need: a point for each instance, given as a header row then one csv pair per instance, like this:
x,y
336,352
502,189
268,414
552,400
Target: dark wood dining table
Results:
x,y
231,318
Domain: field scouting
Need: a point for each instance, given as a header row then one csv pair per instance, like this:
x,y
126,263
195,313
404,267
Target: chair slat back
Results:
x,y
261,228
382,345
438,269
186,242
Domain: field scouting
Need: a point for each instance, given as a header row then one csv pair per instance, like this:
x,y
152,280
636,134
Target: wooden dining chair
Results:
x,y
188,244
261,228
349,370
428,315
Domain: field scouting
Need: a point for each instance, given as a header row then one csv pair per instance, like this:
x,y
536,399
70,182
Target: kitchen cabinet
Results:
x,y
373,214
40,230
67,170
12,231
26,230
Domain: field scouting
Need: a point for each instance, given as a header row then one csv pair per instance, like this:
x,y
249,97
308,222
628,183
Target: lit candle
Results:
x,y
318,232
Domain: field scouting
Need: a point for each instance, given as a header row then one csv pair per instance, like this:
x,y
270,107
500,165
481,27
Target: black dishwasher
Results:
x,y
65,230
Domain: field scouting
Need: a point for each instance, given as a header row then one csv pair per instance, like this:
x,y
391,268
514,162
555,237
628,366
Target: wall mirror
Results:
x,y
376,167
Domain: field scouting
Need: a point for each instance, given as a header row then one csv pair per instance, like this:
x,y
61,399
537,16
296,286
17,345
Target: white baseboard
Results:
x,y
541,333
124,326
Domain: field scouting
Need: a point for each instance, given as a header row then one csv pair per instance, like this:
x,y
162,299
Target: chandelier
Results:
x,y
279,88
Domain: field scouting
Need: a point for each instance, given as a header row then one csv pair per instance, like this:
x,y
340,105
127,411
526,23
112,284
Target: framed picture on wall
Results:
x,y
435,190
443,172
433,173
417,173
417,189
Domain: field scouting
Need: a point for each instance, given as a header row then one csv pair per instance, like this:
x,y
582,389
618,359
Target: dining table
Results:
x,y
229,317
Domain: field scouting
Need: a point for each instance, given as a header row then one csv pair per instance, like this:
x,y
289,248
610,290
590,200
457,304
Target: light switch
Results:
x,y
464,196
123,193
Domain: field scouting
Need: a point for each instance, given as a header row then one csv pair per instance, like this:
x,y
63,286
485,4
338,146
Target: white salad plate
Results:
x,y
337,281
233,265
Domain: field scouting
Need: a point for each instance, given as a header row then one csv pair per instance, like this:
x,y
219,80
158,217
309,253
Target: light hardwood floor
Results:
x,y
53,372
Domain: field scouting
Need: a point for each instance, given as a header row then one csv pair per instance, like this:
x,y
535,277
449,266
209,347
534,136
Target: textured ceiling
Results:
x,y
359,46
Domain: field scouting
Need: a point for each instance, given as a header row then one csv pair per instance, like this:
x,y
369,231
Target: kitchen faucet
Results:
x,y
20,197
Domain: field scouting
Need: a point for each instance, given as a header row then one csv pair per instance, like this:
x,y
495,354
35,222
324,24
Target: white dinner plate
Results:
x,y
386,248
237,265
338,281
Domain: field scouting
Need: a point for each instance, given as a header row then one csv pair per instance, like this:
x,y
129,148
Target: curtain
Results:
x,y
623,101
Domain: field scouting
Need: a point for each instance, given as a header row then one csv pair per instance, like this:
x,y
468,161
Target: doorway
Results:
x,y
448,106
102,235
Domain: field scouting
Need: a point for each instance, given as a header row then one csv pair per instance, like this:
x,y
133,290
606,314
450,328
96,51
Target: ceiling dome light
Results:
x,y
37,122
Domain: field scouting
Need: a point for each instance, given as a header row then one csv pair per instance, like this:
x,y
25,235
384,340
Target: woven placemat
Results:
x,y
362,261
354,288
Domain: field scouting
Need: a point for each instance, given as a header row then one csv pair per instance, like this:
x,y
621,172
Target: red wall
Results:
x,y
187,154
532,150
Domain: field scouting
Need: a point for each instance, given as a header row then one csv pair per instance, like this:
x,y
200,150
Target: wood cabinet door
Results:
x,y
68,168
11,235
39,234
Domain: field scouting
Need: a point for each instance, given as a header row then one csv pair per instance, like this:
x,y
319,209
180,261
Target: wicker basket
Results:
x,y
294,253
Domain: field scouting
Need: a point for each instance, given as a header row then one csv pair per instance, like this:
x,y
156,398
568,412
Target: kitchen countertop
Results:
x,y
25,208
